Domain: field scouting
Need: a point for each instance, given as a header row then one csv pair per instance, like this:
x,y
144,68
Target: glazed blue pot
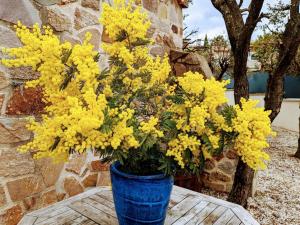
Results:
x,y
140,200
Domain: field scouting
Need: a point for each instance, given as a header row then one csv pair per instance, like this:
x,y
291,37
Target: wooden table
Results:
x,y
96,207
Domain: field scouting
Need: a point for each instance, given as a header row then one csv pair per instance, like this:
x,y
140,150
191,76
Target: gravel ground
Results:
x,y
277,197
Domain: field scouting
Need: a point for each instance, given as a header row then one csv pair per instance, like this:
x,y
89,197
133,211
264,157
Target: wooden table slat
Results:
x,y
181,208
102,201
191,213
234,221
99,206
60,218
199,217
214,216
51,214
225,218
93,213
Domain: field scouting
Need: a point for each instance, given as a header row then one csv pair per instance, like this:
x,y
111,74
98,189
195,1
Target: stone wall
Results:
x,y
219,171
27,184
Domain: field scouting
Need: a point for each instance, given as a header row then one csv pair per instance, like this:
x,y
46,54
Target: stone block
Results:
x,y
24,187
231,154
93,4
4,82
13,163
13,130
169,42
40,200
151,5
76,164
26,101
90,180
104,179
23,73
19,10
72,186
30,203
48,198
96,36
84,18
2,97
53,2
49,170
215,186
2,196
56,18
162,12
227,167
179,69
175,14
47,2
8,38
70,38
97,166
219,176
12,215
209,165
65,2
61,196
157,51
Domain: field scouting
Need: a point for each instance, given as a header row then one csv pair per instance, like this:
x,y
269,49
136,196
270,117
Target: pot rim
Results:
x,y
114,169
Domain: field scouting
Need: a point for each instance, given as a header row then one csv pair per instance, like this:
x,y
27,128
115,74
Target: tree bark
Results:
x,y
297,154
274,94
242,186
241,85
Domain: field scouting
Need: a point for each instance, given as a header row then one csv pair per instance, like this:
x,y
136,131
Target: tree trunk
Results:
x,y
241,85
274,94
297,154
242,186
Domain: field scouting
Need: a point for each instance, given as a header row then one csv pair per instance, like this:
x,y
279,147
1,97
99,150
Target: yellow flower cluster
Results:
x,y
149,127
130,27
253,126
201,107
192,83
75,113
134,106
183,142
123,16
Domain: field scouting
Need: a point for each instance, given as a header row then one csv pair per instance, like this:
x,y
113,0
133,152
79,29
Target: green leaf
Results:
x,y
56,142
97,57
140,42
177,99
65,55
107,123
103,74
122,36
169,124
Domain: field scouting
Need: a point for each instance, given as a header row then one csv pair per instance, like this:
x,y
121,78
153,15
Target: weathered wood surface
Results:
x,y
96,207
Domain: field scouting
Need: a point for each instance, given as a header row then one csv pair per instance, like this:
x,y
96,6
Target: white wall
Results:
x,y
288,117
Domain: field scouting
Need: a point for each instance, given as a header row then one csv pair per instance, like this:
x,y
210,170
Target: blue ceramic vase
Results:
x,y
140,200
